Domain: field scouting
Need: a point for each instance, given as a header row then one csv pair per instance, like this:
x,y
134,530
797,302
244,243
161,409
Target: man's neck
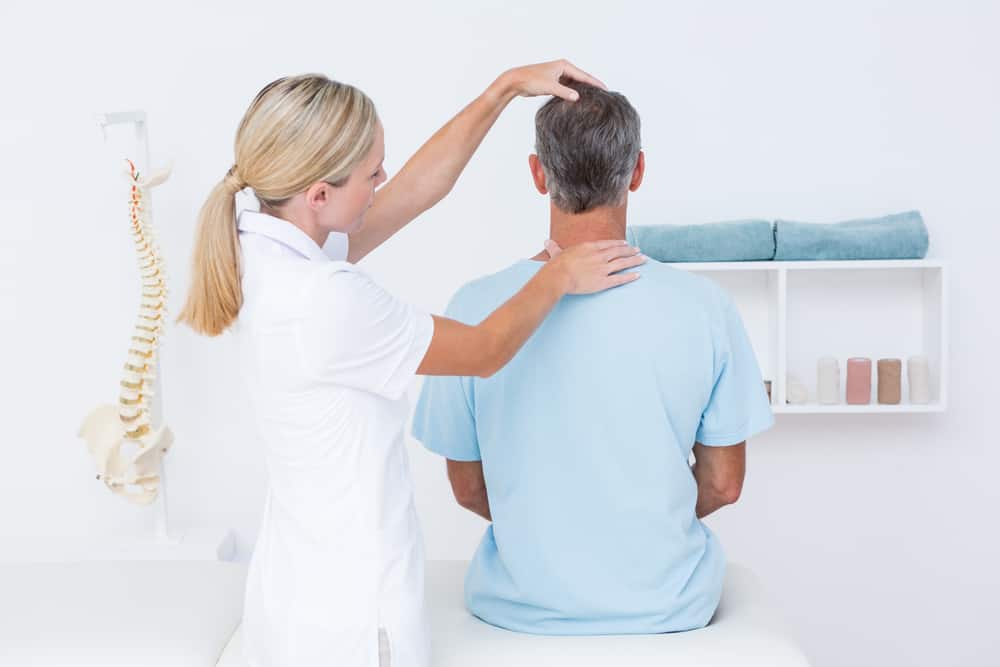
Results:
x,y
599,224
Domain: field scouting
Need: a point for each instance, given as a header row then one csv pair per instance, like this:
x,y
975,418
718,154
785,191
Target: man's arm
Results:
x,y
469,486
719,473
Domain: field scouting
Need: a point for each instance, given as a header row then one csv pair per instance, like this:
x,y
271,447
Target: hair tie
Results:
x,y
233,180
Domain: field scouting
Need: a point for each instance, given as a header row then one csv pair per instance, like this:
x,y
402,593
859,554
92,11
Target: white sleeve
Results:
x,y
359,335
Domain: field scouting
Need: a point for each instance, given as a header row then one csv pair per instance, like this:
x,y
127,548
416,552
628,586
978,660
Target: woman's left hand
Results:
x,y
547,79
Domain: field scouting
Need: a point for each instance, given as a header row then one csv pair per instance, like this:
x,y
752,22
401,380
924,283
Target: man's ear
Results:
x,y
537,174
637,173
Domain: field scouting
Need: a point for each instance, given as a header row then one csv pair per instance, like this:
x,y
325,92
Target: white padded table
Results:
x,y
111,613
745,632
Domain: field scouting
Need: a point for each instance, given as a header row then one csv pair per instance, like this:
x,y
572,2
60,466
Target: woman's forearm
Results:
x,y
443,157
433,170
509,326
483,349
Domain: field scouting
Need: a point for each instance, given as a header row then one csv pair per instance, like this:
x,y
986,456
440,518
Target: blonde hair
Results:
x,y
298,130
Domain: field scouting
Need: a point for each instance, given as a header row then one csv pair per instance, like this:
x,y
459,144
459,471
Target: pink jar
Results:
x,y
859,381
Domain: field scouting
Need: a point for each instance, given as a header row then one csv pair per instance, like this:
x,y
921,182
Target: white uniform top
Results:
x,y
327,356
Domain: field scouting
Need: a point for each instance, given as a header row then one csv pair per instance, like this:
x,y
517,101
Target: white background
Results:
x,y
876,534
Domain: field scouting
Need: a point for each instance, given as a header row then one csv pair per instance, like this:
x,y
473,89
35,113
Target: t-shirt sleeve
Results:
x,y
444,420
357,334
738,407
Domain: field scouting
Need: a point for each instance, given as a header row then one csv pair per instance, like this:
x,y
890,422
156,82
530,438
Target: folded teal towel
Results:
x,y
899,236
736,241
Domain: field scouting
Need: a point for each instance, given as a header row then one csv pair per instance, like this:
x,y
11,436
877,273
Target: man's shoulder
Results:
x,y
480,296
477,298
664,276
691,295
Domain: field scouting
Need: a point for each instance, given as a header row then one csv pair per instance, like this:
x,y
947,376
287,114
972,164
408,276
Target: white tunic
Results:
x,y
327,356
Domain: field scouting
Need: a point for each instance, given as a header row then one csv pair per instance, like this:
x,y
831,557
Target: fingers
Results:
x,y
608,243
618,251
574,72
532,80
620,279
566,93
552,248
625,263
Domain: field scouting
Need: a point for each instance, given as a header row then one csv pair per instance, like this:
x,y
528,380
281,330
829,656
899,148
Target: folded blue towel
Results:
x,y
899,236
736,241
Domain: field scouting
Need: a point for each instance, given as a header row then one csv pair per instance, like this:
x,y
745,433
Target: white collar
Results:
x,y
288,234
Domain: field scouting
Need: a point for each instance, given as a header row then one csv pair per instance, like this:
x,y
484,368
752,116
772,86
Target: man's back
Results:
x,y
585,438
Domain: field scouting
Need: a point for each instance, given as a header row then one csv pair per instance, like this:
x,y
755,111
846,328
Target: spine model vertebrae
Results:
x,y
136,476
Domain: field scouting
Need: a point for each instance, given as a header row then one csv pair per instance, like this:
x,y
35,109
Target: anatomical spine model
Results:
x,y
109,427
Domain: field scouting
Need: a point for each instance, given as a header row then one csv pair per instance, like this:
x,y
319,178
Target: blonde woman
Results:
x,y
336,576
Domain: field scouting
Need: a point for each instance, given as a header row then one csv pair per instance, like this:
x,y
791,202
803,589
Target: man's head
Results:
x,y
588,151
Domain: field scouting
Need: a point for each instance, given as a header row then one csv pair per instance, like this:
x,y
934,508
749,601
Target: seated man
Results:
x,y
578,450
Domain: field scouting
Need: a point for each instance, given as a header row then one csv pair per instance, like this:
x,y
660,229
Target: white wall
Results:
x,y
876,534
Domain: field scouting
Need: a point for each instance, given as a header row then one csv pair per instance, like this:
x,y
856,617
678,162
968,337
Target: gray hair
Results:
x,y
588,148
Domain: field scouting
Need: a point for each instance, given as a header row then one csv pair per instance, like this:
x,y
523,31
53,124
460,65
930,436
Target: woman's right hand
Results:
x,y
594,266
548,79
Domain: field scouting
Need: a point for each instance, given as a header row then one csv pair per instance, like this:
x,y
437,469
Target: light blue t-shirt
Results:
x,y
585,438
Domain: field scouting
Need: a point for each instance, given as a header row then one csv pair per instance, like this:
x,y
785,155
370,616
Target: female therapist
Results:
x,y
336,576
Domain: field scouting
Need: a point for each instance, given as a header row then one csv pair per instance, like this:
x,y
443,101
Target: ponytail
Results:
x,y
215,296
297,131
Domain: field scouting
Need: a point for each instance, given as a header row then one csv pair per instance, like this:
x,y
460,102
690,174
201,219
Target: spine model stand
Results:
x,y
136,476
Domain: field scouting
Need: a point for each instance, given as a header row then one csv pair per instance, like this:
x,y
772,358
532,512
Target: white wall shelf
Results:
x,y
797,312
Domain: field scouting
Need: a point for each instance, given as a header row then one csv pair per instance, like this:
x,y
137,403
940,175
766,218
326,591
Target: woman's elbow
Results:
x,y
488,372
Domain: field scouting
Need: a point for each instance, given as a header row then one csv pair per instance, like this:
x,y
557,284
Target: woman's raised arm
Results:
x,y
432,171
